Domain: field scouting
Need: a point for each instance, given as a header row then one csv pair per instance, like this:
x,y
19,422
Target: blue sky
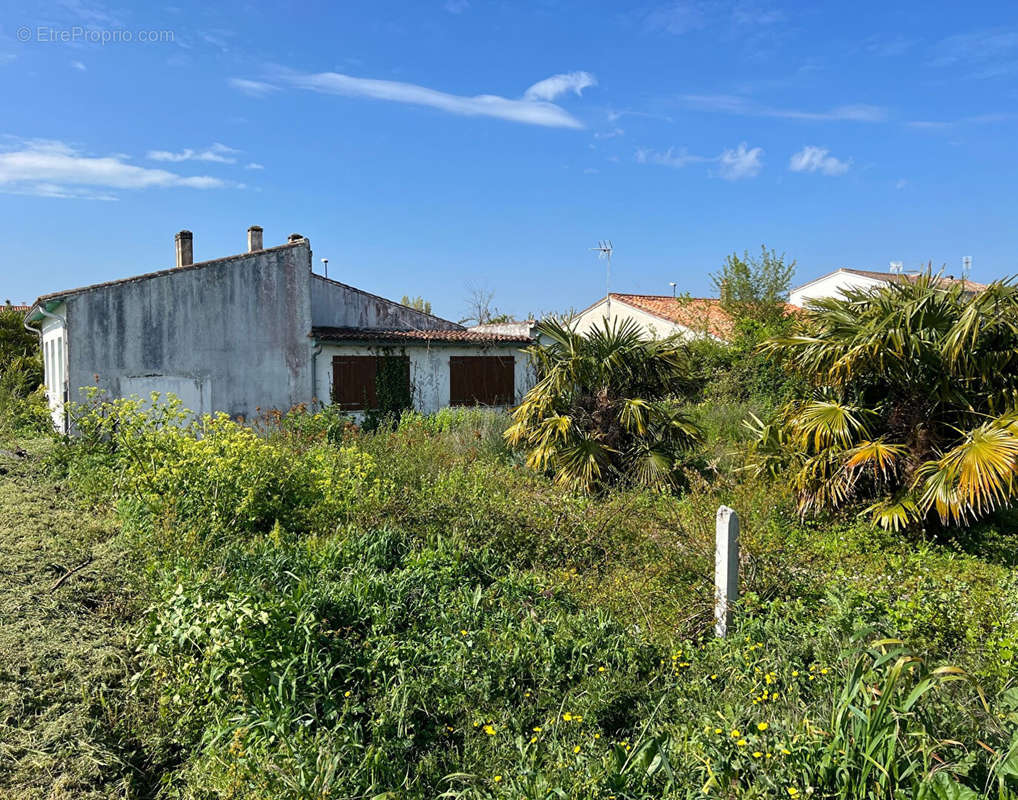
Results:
x,y
435,146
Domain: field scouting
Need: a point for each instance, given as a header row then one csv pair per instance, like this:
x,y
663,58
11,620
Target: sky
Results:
x,y
442,147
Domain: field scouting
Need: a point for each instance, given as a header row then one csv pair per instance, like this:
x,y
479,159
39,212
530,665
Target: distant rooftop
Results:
x,y
944,281
327,334
697,313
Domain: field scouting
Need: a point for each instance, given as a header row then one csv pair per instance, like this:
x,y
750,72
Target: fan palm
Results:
x,y
914,389
602,409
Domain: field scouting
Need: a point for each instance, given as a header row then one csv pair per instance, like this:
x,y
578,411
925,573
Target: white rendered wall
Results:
x,y
653,325
831,286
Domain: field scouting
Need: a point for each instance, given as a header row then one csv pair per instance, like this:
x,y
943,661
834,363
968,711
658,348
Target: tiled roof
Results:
x,y
382,335
697,313
946,281
9,307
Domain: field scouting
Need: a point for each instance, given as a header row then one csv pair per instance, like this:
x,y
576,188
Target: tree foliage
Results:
x,y
418,303
912,402
602,410
754,288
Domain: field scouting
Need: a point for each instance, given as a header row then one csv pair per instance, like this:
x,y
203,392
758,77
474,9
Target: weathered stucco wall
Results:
x,y
337,305
429,369
235,329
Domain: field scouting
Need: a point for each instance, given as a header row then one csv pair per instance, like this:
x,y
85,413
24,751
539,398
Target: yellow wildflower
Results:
x,y
489,729
576,749
741,742
762,726
757,754
497,778
567,716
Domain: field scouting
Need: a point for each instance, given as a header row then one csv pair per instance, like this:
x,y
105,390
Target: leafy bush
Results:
x,y
912,404
603,411
23,406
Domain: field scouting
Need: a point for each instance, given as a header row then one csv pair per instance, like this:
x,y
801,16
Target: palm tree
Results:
x,y
914,390
603,409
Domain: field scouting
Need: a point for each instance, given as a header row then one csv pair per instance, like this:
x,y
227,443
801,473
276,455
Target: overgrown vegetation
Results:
x,y
22,398
604,408
911,404
299,608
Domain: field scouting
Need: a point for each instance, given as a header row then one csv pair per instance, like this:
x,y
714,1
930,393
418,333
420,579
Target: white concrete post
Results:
x,y
726,568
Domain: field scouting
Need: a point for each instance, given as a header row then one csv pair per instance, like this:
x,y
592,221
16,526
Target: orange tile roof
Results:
x,y
696,313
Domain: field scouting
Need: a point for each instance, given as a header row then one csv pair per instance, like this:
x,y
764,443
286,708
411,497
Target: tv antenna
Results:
x,y
325,264
672,284
897,267
966,267
604,251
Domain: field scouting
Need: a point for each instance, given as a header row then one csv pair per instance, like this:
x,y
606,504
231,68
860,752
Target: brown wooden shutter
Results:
x,y
353,382
482,380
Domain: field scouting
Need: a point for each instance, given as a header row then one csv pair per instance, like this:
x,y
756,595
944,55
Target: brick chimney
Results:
x,y
185,248
254,238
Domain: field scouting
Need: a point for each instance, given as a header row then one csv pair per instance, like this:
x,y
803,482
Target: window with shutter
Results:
x,y
482,380
355,380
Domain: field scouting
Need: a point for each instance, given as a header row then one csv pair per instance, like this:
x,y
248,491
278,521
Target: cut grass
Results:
x,y
65,658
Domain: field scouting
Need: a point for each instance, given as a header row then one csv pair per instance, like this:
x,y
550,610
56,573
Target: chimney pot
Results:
x,y
294,237
185,248
254,238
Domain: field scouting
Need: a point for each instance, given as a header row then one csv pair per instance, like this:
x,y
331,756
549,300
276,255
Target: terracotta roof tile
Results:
x,y
384,335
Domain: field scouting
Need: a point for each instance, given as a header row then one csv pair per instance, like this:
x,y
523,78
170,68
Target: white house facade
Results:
x,y
834,284
659,316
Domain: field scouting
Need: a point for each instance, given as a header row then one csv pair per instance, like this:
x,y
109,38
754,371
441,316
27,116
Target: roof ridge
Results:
x,y
161,272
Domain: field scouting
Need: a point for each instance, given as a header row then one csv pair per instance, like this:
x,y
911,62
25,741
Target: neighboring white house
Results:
x,y
260,331
659,315
834,283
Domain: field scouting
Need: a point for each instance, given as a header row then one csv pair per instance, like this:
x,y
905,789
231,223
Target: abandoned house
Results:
x,y
260,330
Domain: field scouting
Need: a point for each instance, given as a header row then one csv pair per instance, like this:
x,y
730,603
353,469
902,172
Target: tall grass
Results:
x,y
342,614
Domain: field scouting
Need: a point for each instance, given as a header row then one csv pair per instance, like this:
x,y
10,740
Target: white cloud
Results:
x,y
456,6
254,165
732,164
669,157
732,19
219,153
741,163
609,134
733,104
55,169
552,87
993,53
253,88
79,66
817,159
533,108
974,119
